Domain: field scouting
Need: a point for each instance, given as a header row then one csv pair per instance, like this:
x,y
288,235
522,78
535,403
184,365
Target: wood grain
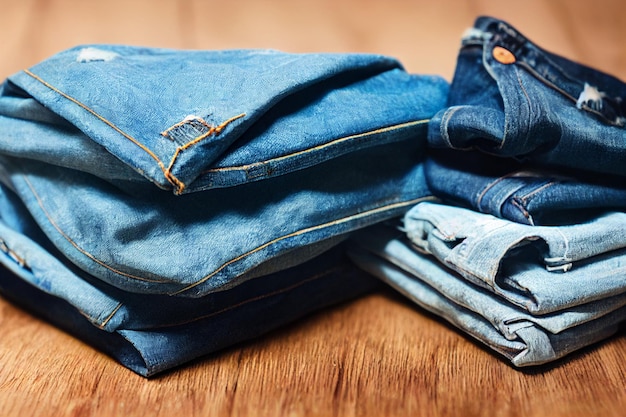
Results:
x,y
378,355
375,356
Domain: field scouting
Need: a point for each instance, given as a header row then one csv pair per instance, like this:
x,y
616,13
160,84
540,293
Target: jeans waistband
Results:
x,y
585,86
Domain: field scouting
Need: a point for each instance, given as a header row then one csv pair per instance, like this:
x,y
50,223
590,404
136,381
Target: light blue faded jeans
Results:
x,y
539,268
525,339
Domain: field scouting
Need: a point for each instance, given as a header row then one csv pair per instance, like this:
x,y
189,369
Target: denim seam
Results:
x,y
494,269
492,184
299,233
443,130
485,190
213,130
547,82
75,245
445,121
226,264
563,92
565,257
102,324
529,195
438,221
319,147
518,204
19,260
528,101
168,175
490,283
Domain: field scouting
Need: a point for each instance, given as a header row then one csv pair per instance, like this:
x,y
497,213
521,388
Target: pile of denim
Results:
x,y
164,204
525,249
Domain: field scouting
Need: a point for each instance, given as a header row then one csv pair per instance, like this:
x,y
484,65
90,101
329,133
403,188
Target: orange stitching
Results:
x,y
110,316
217,130
212,130
227,122
102,324
301,232
11,254
183,122
180,186
320,147
226,264
173,180
81,250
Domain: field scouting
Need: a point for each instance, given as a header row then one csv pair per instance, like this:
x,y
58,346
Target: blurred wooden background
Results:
x,y
378,355
423,34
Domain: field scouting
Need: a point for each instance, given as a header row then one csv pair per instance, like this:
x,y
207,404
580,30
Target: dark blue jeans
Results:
x,y
511,98
521,192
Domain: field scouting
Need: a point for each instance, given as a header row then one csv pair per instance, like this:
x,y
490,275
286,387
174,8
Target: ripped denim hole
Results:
x,y
91,54
187,130
15,257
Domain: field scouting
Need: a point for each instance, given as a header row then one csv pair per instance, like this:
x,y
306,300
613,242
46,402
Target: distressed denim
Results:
x,y
523,338
520,192
315,161
164,204
194,120
539,268
511,98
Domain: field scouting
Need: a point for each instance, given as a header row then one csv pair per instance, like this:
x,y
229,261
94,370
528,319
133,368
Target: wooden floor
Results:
x,y
378,355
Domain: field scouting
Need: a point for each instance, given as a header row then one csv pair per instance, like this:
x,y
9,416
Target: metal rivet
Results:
x,y
503,55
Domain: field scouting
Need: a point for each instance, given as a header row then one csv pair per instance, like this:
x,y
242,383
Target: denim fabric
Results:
x,y
511,98
519,192
195,120
150,334
539,268
284,152
164,204
523,338
209,241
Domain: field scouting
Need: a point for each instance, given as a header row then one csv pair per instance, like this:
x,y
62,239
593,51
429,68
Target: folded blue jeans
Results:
x,y
521,192
150,334
523,338
511,98
195,120
196,244
266,154
541,269
164,204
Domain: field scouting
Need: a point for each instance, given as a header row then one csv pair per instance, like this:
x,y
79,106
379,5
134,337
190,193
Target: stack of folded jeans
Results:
x,y
164,204
526,248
